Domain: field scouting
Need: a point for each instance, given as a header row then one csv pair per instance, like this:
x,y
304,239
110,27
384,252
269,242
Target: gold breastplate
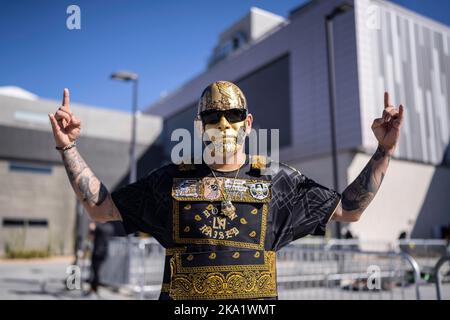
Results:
x,y
236,265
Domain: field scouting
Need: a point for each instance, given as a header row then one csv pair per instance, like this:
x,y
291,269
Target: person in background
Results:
x,y
100,234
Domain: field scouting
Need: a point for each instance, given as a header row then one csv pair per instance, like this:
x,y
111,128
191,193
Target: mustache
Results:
x,y
223,137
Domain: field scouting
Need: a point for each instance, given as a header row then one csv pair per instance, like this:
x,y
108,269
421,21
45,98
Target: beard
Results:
x,y
226,145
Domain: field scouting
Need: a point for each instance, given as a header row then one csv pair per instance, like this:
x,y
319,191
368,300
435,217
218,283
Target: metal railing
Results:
x,y
306,273
306,269
134,264
442,275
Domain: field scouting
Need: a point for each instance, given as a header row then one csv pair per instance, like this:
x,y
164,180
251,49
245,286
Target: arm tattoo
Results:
x,y
73,163
358,195
86,185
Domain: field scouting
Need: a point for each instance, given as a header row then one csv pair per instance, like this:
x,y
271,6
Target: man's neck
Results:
x,y
230,163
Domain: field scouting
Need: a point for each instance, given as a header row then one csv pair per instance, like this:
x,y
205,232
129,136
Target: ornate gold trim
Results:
x,y
172,251
258,162
165,287
224,282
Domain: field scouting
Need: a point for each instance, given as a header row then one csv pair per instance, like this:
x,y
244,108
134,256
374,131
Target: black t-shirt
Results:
x,y
298,206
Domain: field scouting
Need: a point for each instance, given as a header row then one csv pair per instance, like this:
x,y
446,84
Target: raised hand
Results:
x,y
387,128
66,127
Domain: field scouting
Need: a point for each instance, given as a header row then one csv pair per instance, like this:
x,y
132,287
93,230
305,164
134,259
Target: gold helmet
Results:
x,y
222,95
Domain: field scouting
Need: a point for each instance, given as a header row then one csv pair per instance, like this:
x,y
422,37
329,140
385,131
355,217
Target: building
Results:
x,y
38,208
281,65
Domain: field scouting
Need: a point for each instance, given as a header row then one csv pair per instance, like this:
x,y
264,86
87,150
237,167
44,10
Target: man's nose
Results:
x,y
223,123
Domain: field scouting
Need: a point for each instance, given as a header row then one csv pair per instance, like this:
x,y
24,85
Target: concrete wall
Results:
x,y
26,137
413,198
37,196
320,169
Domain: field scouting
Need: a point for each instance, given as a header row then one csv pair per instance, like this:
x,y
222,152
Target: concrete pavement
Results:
x,y
43,279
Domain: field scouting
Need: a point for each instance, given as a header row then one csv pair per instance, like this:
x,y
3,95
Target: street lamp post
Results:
x,y
332,92
129,76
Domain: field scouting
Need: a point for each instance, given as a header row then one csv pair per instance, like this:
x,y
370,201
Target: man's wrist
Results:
x,y
66,147
384,152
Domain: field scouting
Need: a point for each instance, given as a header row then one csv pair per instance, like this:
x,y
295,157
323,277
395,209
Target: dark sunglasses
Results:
x,y
232,115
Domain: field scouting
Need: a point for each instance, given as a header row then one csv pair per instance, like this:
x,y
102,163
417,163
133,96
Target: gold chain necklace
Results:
x,y
226,206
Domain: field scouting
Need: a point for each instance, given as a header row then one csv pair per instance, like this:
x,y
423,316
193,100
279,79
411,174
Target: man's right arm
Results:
x,y
90,191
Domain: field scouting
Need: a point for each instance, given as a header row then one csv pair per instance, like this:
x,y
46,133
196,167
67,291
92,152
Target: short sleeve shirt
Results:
x,y
298,205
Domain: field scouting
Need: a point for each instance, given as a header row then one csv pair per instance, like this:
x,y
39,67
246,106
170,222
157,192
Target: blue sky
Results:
x,y
166,42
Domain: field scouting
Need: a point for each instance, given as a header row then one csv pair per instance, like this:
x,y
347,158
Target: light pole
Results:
x,y
332,92
129,76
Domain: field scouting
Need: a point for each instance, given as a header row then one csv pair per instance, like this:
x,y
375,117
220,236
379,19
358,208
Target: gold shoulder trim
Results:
x,y
186,166
172,251
259,162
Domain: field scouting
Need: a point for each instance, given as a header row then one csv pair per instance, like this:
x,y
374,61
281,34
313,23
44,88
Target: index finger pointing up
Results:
x,y
386,100
66,99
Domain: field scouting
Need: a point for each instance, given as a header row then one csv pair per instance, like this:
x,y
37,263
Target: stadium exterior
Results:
x,y
281,65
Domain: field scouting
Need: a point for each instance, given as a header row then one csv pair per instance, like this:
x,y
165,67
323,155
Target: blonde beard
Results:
x,y
225,147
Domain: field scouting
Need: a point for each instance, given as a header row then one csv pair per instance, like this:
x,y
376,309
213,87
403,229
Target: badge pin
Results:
x,y
186,188
211,188
259,190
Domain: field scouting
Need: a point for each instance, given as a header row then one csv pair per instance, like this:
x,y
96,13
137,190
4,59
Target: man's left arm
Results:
x,y
358,195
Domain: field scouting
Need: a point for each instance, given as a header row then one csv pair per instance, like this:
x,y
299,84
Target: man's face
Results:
x,y
226,130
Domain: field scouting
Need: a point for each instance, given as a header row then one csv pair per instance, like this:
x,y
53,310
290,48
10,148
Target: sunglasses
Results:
x,y
232,115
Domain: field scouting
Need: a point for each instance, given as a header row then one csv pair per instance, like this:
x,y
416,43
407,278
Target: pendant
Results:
x,y
227,208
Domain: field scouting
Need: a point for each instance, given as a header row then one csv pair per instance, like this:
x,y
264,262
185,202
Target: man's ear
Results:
x,y
248,124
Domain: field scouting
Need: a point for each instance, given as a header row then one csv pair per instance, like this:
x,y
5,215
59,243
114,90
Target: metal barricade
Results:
x,y
115,271
305,273
426,252
309,268
442,276
135,265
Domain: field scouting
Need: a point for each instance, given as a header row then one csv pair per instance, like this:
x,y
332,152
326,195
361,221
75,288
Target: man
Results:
x,y
100,235
222,221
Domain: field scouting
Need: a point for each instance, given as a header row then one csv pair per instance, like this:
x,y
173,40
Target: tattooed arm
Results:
x,y
91,192
357,196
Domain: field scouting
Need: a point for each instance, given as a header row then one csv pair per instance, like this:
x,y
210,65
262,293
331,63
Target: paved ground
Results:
x,y
46,279
42,279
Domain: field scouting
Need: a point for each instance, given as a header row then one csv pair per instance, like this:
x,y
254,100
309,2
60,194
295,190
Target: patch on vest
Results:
x,y
259,190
